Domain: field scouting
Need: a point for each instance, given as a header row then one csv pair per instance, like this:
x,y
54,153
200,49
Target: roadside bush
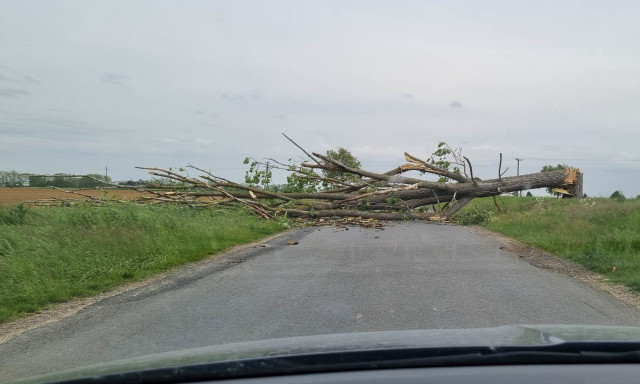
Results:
x,y
473,216
618,195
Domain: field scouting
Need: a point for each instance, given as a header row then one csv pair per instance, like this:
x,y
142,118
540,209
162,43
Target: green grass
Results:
x,y
596,233
52,255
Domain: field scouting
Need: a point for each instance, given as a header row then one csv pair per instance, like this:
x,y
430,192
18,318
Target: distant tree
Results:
x,y
13,179
133,183
306,180
618,195
129,183
301,180
347,158
61,180
35,181
92,181
549,168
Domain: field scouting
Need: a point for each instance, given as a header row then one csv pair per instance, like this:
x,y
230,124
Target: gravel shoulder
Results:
x,y
545,260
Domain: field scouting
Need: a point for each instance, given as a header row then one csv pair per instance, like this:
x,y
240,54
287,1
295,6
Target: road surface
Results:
x,y
408,276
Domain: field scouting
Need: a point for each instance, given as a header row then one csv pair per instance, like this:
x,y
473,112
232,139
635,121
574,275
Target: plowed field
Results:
x,y
10,196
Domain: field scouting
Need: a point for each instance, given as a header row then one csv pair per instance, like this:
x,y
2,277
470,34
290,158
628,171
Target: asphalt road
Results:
x,y
408,276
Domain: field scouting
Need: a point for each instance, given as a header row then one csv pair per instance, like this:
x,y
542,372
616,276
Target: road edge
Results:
x,y
545,260
57,312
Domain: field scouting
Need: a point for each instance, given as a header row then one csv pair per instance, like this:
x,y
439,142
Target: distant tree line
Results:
x,y
135,183
61,180
13,179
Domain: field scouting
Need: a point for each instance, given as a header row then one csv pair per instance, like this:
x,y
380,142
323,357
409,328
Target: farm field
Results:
x,y
10,196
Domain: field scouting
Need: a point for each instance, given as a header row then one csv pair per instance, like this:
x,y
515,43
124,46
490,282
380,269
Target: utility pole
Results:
x,y
518,173
106,173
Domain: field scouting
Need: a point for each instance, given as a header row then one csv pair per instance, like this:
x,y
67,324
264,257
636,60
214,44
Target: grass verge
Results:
x,y
55,254
599,233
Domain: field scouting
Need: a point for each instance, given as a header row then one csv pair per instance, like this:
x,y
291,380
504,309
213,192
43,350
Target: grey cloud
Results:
x,y
227,96
455,104
18,80
115,78
279,117
406,96
13,92
32,80
241,96
198,112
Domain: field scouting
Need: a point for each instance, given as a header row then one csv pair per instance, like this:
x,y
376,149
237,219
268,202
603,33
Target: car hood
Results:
x,y
503,336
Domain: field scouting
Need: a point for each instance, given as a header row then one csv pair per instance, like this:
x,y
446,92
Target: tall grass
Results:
x,y
598,233
52,255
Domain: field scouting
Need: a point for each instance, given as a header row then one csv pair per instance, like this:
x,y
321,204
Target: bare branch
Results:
x,y
470,170
435,169
302,149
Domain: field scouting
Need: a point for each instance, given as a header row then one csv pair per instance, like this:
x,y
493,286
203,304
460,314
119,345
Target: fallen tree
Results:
x,y
355,192
321,186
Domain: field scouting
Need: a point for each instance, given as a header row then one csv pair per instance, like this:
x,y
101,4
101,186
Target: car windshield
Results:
x,y
186,174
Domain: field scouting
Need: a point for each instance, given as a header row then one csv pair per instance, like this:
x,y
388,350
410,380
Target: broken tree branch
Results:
x,y
354,192
302,149
470,170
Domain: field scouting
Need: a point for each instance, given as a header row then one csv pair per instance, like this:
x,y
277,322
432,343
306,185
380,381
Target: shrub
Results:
x,y
14,215
473,216
618,195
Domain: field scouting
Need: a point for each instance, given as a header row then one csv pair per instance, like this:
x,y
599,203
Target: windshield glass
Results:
x,y
179,175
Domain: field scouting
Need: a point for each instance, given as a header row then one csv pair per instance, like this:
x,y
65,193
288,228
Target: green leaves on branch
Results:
x,y
392,199
443,157
258,174
302,180
306,180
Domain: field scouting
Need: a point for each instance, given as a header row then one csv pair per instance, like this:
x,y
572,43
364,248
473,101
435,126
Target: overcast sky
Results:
x,y
88,84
